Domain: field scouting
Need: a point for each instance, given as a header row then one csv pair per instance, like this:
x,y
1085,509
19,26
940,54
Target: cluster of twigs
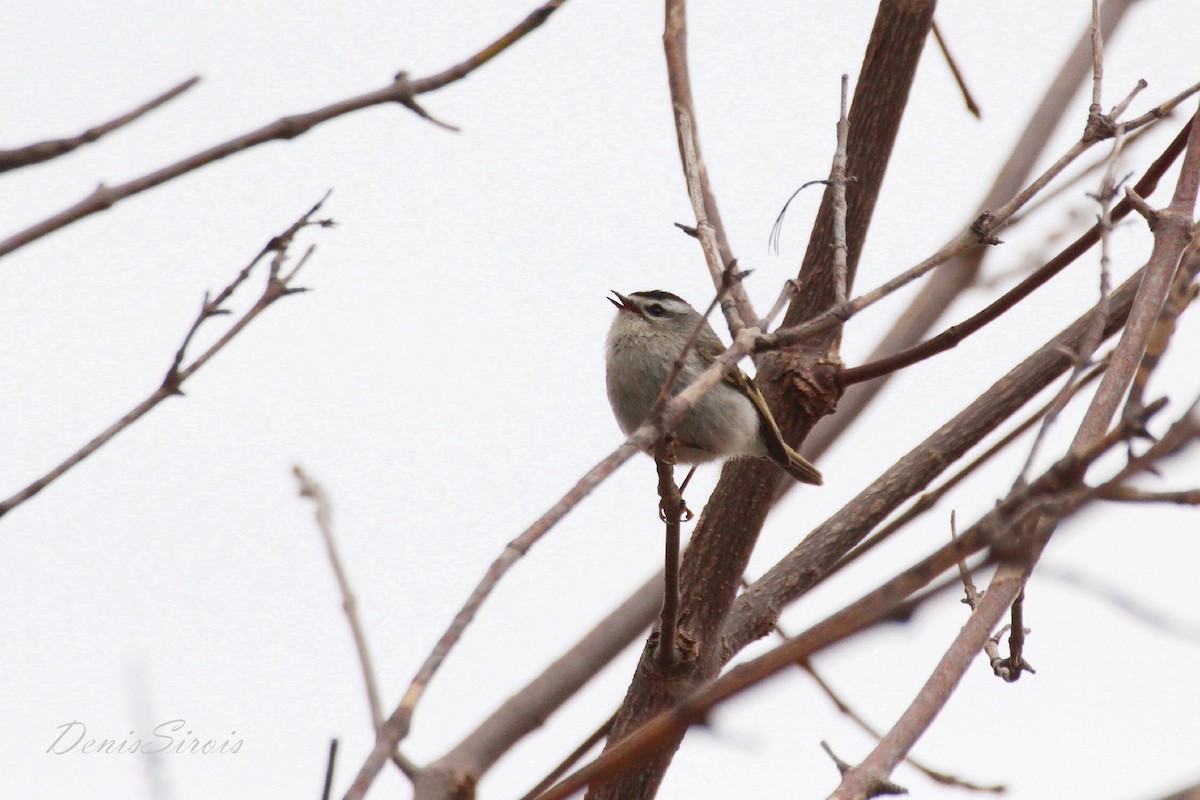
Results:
x,y
704,621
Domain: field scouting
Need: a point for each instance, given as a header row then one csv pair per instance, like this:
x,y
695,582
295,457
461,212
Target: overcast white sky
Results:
x,y
444,382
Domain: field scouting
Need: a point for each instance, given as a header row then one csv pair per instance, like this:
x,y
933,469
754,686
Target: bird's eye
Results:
x,y
655,310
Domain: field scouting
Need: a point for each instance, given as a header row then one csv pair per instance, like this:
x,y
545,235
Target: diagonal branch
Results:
x,y
956,275
278,286
45,151
727,531
1173,230
955,334
757,609
401,90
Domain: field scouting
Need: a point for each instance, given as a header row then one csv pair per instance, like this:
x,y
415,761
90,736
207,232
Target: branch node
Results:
x,y
1099,126
983,227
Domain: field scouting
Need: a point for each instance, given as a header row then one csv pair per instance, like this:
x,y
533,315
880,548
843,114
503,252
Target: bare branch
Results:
x,y
955,334
401,90
275,289
757,609
1172,234
45,151
671,509
323,513
972,106
838,181
709,230
956,275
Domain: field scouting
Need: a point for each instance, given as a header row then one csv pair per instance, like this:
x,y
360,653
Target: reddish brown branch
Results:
x,y
757,609
972,106
955,334
959,273
1173,231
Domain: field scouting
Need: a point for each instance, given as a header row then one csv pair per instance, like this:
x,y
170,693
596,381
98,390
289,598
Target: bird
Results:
x,y
731,420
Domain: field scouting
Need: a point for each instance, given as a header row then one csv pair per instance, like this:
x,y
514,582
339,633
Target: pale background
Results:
x,y
444,382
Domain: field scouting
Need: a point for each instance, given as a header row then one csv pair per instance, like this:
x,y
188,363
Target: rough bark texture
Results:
x,y
800,387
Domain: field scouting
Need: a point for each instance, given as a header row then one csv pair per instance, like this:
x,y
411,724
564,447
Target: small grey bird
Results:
x,y
731,420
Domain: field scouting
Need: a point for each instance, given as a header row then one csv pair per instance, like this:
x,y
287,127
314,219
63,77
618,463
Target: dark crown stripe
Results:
x,y
658,294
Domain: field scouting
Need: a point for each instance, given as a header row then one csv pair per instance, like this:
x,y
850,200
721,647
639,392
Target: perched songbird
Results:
x,y
731,420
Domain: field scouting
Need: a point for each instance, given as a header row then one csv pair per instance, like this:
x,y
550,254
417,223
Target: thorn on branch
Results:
x,y
878,786
1142,207
688,229
405,97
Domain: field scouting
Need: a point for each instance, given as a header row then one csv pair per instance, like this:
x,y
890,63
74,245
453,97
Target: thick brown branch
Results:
x,y
959,273
757,609
1173,232
724,538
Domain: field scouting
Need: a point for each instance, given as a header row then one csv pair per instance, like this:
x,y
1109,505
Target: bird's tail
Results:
x,y
799,467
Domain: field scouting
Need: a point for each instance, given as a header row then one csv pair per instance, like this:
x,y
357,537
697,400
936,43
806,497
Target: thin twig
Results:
x,y
44,151
397,725
671,509
1091,341
710,232
838,179
955,334
329,764
1127,494
275,289
1183,291
401,90
593,739
972,106
1172,234
323,513
1097,60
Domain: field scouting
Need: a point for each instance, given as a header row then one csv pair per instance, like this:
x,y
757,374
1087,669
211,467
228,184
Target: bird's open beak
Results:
x,y
622,302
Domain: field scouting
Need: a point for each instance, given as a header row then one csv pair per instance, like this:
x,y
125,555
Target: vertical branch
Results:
x,y
709,231
671,508
954,277
323,512
1097,61
840,249
1173,230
